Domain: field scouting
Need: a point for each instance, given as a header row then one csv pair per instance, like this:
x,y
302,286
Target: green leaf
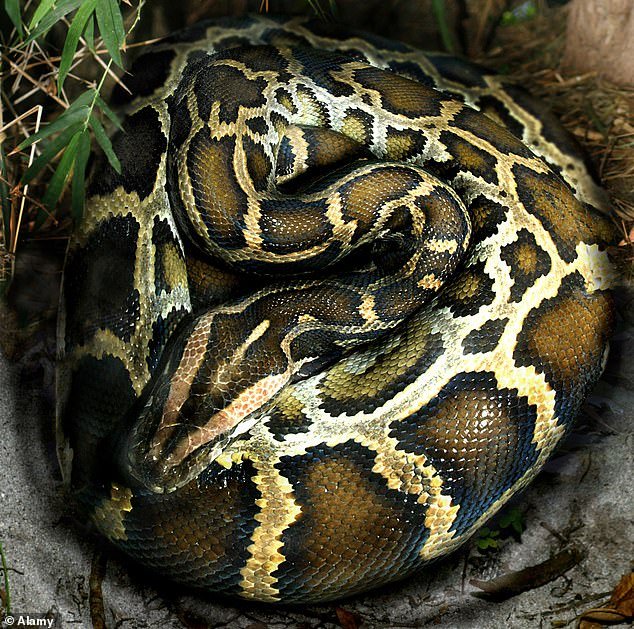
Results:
x,y
78,189
68,118
50,150
110,23
440,13
12,7
109,113
486,542
105,143
522,13
78,110
89,33
60,176
77,27
43,8
4,197
513,519
52,17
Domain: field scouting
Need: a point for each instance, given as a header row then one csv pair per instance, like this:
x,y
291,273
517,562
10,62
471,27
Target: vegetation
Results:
x,y
509,523
5,594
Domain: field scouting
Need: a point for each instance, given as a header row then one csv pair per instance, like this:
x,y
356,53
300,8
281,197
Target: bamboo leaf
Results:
x,y
105,143
77,27
42,9
52,17
110,24
108,112
60,176
78,189
68,118
4,196
440,13
51,149
12,7
79,109
84,99
89,32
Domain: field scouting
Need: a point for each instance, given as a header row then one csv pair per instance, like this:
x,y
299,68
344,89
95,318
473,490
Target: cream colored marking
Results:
x,y
429,282
367,308
441,245
278,511
108,516
192,359
595,268
224,420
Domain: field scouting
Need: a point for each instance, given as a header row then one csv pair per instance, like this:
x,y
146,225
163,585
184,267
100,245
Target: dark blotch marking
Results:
x,y
140,148
258,126
318,66
167,251
485,338
196,535
400,95
496,110
486,129
470,290
284,98
100,395
478,436
459,70
148,72
527,261
180,123
413,71
565,338
403,144
217,194
99,287
258,164
486,217
290,225
569,222
349,394
227,88
351,525
470,158
162,330
259,59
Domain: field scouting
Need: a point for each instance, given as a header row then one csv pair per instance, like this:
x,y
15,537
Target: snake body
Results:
x,y
329,317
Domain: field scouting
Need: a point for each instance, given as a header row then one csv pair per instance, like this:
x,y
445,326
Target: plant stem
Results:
x,y
5,571
438,7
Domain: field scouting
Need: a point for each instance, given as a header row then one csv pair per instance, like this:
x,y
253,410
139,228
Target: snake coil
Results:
x,y
340,304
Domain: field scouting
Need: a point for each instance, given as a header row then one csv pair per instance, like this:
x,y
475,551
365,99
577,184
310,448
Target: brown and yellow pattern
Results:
x,y
329,317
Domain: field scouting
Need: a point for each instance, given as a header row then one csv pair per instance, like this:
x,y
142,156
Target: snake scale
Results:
x,y
340,304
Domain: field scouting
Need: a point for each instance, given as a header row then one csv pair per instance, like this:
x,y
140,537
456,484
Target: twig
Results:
x,y
5,572
31,80
513,583
97,574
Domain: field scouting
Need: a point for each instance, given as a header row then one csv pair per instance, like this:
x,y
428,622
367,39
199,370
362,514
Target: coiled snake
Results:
x,y
329,317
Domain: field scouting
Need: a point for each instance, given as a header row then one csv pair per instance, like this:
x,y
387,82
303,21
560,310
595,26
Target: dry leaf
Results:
x,y
347,619
619,609
622,598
